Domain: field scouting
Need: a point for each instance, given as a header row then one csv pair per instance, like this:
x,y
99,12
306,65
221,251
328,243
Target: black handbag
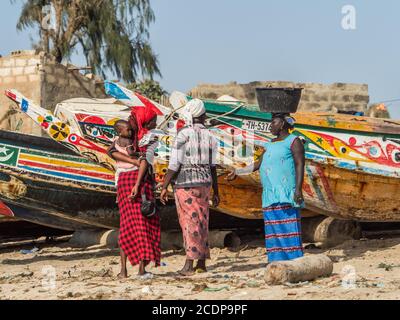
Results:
x,y
148,208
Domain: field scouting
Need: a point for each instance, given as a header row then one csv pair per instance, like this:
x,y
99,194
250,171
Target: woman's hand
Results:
x,y
216,200
164,196
135,192
231,175
298,196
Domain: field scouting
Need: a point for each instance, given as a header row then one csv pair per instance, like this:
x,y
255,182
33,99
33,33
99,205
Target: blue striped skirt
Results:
x,y
282,232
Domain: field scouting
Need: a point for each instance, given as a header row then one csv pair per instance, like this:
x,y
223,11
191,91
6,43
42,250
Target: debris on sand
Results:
x,y
388,267
103,273
216,289
199,287
32,251
14,277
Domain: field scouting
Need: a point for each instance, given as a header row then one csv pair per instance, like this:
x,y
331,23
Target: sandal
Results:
x,y
199,270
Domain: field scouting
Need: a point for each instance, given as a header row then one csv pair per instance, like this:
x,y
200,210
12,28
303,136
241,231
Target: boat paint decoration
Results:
x,y
317,189
358,151
133,99
368,153
47,165
5,210
373,154
9,155
166,119
62,132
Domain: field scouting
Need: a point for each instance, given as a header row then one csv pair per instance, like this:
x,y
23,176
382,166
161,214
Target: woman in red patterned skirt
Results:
x,y
139,236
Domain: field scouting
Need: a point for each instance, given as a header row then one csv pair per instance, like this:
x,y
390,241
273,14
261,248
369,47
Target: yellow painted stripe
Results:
x,y
70,164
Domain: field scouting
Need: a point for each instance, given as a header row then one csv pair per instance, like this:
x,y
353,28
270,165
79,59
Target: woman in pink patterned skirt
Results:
x,y
192,167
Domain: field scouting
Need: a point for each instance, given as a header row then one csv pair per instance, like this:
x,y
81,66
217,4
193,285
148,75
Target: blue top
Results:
x,y
278,173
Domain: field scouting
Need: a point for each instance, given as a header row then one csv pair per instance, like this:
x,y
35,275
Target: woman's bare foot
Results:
x,y
123,275
124,271
187,269
142,268
186,273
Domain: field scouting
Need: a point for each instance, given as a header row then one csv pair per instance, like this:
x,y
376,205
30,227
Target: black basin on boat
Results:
x,y
285,100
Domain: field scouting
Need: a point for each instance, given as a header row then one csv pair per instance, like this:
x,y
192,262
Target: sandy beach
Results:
x,y
364,269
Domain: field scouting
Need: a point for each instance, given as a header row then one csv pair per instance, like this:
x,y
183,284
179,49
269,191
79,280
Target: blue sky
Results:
x,y
219,41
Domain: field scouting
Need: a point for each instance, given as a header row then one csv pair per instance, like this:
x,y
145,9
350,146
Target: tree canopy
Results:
x,y
149,88
113,34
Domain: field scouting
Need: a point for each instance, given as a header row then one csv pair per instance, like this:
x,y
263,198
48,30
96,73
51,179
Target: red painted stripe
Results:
x,y
148,104
287,207
281,221
283,235
5,211
287,249
325,183
11,95
68,170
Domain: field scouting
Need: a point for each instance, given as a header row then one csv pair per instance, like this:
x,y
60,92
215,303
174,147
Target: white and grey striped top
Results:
x,y
193,154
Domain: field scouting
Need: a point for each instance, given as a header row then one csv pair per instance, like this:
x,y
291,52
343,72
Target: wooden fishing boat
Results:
x,y
352,163
43,182
352,169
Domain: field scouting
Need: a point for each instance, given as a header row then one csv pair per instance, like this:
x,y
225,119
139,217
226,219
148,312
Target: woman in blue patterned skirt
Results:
x,y
282,175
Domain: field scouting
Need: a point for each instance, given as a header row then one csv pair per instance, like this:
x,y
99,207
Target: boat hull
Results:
x,y
349,160
40,179
330,191
53,198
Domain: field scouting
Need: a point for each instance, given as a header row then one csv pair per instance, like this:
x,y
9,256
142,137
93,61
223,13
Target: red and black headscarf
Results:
x,y
140,116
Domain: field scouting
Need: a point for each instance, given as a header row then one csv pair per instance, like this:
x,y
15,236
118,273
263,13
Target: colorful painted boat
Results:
x,y
43,182
352,169
352,163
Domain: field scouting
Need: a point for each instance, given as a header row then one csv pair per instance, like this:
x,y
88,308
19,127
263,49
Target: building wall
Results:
x,y
41,79
315,96
60,83
20,71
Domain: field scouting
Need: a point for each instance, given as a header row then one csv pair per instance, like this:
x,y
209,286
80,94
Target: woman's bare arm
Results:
x,y
143,167
168,178
246,170
299,161
252,168
114,154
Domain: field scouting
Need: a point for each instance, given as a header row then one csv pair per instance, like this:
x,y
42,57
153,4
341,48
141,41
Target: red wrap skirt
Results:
x,y
139,237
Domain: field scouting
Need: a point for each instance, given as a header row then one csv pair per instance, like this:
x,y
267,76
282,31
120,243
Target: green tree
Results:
x,y
148,88
113,34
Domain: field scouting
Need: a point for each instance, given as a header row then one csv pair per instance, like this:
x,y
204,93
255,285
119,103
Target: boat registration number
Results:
x,y
256,125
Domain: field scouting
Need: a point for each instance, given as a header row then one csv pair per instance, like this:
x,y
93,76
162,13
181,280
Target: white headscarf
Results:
x,y
193,109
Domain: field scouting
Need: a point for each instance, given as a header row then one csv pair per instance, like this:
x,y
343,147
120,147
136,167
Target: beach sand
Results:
x,y
365,269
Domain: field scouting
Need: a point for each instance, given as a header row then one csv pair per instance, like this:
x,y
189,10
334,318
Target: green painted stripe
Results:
x,y
242,112
246,114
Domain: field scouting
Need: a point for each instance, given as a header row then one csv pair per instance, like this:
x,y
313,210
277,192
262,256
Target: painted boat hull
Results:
x,y
333,192
349,160
45,183
53,197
